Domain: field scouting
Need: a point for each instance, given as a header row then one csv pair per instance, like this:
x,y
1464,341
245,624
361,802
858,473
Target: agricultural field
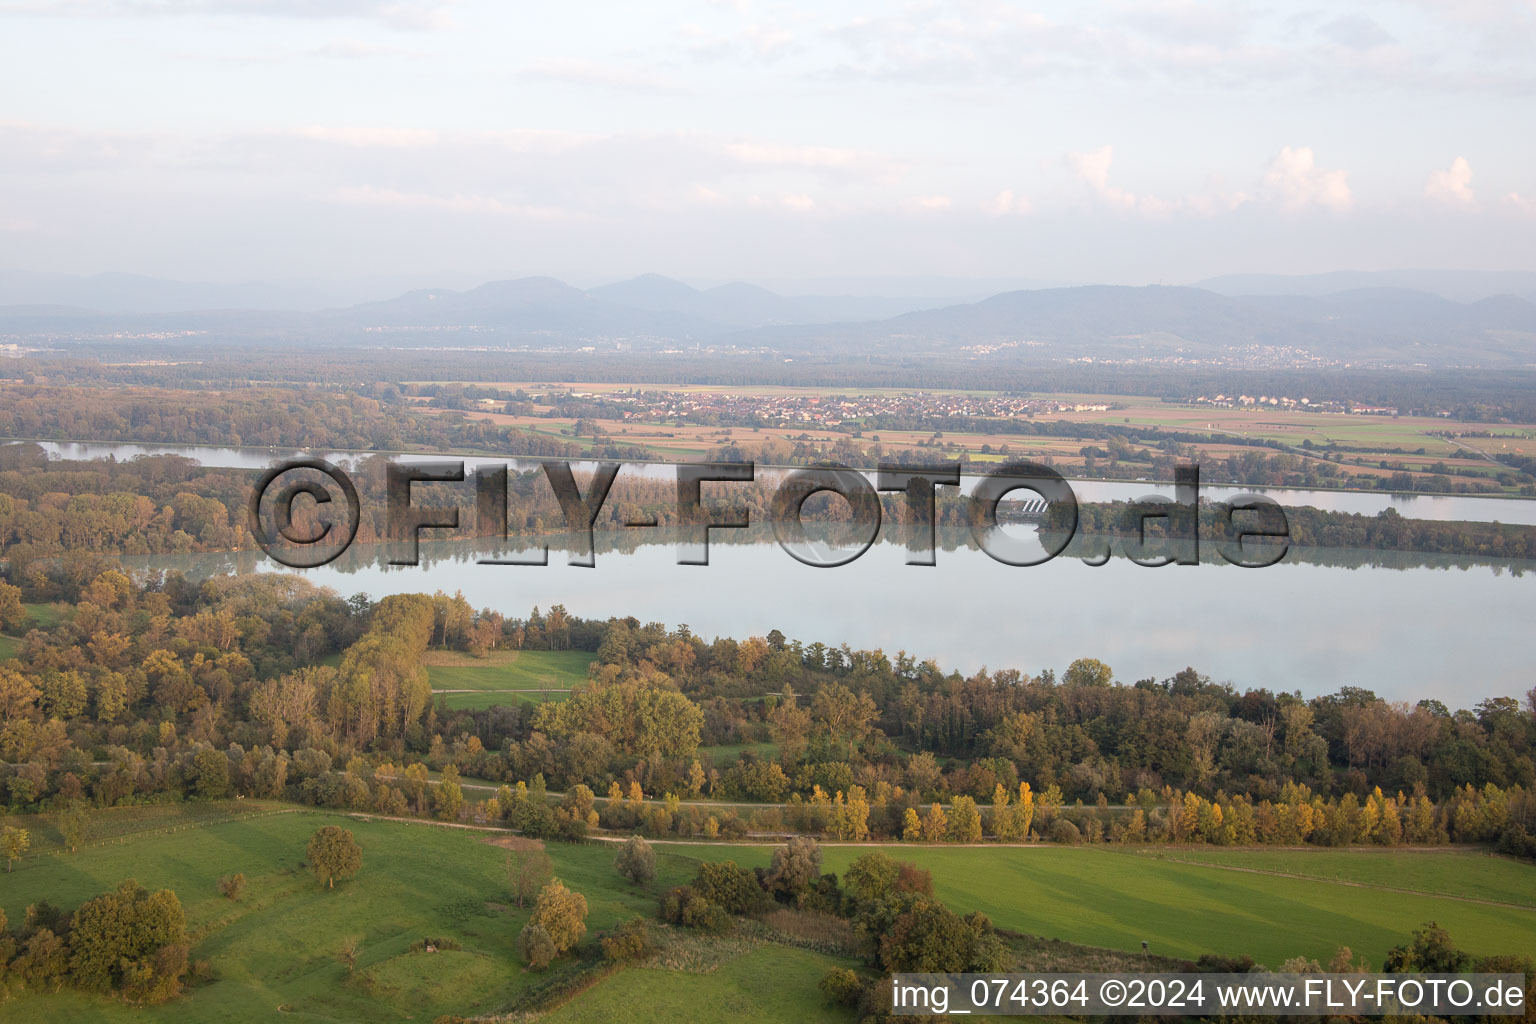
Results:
x,y
1114,899
1406,443
275,950
464,682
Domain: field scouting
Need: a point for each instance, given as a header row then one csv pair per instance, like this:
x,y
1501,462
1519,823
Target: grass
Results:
x,y
1102,897
8,647
725,753
508,670
277,946
480,700
770,984
1471,874
44,616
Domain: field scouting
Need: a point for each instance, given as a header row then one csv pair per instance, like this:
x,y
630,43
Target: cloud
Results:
x,y
1295,180
367,195
367,136
932,202
1521,204
798,202
1452,186
1355,32
1093,168
586,72
1005,202
410,15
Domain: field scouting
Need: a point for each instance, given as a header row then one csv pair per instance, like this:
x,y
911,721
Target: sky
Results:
x,y
775,142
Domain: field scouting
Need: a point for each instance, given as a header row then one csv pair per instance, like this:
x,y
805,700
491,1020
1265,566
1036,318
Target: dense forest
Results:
x,y
155,688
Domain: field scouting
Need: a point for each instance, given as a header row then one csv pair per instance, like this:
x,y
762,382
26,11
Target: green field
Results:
x,y
44,616
8,647
479,700
276,948
771,985
725,753
528,671
1102,897
1471,874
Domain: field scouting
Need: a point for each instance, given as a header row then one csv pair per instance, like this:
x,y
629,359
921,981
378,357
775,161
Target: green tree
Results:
x,y
14,843
333,854
562,913
964,821
535,946
131,940
636,860
795,866
74,821
871,877
210,774
1430,951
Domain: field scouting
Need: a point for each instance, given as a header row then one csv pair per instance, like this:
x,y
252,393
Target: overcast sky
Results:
x,y
1118,142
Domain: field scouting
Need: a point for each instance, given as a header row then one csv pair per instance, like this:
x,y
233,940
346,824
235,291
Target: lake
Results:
x,y
1454,629
1414,506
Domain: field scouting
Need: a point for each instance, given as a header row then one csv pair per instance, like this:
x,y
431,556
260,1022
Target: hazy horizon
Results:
x,y
1111,143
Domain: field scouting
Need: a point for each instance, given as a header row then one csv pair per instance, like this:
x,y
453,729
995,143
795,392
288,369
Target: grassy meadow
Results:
x,y
275,951
463,682
1116,899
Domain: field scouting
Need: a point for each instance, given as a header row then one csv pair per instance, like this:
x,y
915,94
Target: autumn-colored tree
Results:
x,y
449,795
12,615
333,854
562,913
935,824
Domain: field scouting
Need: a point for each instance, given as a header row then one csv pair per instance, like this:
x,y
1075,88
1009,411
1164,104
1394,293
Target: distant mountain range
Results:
x,y
1234,318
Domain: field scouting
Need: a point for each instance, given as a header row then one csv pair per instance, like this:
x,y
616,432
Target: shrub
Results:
x,y
1063,831
232,886
841,987
729,886
535,946
629,941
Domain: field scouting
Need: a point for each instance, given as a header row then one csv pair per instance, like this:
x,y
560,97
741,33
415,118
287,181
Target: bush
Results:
x,y
535,946
629,941
841,987
683,905
636,861
232,886
1063,831
729,886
